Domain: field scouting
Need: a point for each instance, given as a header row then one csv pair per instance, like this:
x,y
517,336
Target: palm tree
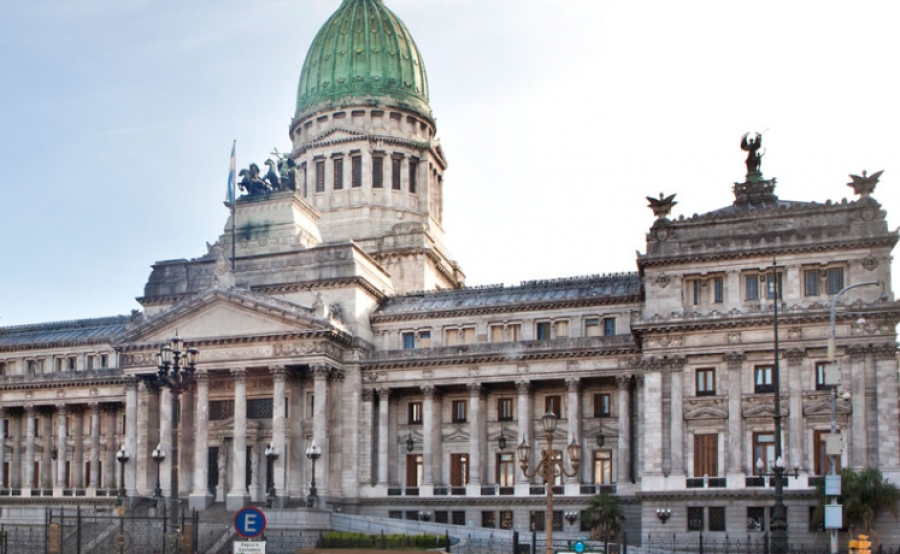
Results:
x,y
603,516
864,495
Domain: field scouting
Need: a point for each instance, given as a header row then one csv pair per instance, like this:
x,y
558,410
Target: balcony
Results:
x,y
706,483
598,489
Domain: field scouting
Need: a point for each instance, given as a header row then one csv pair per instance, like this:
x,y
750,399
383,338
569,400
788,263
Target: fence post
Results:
x,y
78,529
534,542
515,542
766,543
446,541
701,542
624,543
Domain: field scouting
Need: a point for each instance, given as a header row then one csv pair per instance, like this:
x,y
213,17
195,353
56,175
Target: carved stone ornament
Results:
x,y
428,392
734,359
661,206
571,365
240,375
734,337
623,381
820,404
864,185
655,363
523,387
522,368
427,373
474,389
795,333
368,395
663,281
474,371
706,408
384,394
573,384
321,371
885,352
795,356
761,406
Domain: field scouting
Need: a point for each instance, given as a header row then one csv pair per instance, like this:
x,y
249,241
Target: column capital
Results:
x,y
623,381
857,352
384,394
474,389
201,378
338,375
428,391
240,374
368,395
795,356
131,384
885,351
523,387
735,360
95,408
29,410
321,371
61,408
279,372
573,384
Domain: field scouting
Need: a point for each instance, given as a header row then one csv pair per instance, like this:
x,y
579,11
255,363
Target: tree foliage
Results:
x,y
864,495
603,515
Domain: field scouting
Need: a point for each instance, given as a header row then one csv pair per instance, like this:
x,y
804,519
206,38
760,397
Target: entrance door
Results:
x,y
212,469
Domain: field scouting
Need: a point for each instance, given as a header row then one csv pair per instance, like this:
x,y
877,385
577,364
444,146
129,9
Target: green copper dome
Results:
x,y
364,52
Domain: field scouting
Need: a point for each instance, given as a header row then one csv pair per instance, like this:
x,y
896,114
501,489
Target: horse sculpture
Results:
x,y
251,183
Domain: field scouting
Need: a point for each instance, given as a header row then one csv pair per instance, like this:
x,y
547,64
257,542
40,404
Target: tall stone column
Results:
x,y
573,418
186,439
94,482
886,400
30,432
320,424
624,445
366,437
112,442
47,469
165,441
676,424
131,429
735,441
794,454
279,392
15,465
147,439
200,497
476,431
526,430
384,442
237,497
859,450
61,413
78,455
651,408
428,435
3,446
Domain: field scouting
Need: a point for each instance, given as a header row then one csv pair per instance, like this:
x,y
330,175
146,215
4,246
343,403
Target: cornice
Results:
x,y
332,335
363,284
63,379
71,343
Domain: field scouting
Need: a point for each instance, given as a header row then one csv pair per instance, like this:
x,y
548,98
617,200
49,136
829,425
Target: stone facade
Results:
x,y
345,323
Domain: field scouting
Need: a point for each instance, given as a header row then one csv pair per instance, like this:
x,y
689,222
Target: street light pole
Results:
x,y
547,467
313,452
832,355
176,373
271,456
779,516
158,456
122,456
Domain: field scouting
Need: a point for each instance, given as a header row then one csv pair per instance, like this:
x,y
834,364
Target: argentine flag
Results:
x,y
232,178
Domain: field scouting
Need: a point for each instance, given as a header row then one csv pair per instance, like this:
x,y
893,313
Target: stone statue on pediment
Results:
x,y
223,277
864,185
751,145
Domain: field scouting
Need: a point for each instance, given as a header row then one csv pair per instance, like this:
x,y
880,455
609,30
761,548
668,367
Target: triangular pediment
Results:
x,y
337,134
223,314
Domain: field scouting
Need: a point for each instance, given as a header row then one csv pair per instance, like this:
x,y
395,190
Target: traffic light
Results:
x,y
864,545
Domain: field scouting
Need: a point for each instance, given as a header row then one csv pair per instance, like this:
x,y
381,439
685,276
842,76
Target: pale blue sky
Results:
x,y
557,116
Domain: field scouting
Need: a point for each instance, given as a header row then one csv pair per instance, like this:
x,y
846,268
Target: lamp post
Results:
x,y
175,371
122,457
313,452
834,381
547,468
663,514
271,455
779,514
158,456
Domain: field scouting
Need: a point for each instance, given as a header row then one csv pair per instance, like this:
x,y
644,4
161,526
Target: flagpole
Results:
x,y
233,202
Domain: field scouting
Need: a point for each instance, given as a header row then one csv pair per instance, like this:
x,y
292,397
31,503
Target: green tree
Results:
x,y
603,516
864,495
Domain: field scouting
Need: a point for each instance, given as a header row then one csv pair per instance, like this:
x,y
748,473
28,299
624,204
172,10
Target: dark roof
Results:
x,y
104,328
612,286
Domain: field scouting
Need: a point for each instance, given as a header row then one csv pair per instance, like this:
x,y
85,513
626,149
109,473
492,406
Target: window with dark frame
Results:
x,y
506,469
820,376
356,171
609,326
542,329
763,449
338,173
834,280
756,519
694,518
409,340
602,405
706,381
706,455
413,175
260,408
592,327
396,167
377,172
695,292
414,470
763,379
458,517
415,413
821,460
718,290
811,282
603,467
504,409
751,287
459,470
506,519
489,519
716,521
771,288
459,411
537,520
320,176
553,403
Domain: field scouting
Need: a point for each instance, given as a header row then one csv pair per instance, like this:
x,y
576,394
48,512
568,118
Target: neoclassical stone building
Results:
x,y
345,322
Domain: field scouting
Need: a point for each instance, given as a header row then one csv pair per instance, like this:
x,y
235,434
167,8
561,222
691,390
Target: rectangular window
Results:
x,y
820,376
706,455
310,405
506,519
821,459
451,337
695,291
320,176
409,340
695,518
562,329
338,173
603,467
395,173
592,327
218,409
377,172
504,409
763,449
514,332
706,381
506,469
717,518
468,336
602,405
414,471
71,364
537,520
90,363
489,519
811,282
719,290
835,280
496,333
459,470
762,379
459,411
415,413
553,404
609,326
751,287
424,339
260,408
3,368
458,518
356,172
104,361
413,175
441,517
542,330
756,519
771,288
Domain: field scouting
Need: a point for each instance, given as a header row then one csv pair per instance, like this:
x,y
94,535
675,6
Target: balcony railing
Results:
x,y
598,489
706,482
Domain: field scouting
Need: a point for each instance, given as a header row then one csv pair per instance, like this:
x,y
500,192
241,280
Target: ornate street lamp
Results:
x,y
175,371
571,517
158,456
425,516
779,513
271,455
547,467
663,514
122,457
313,452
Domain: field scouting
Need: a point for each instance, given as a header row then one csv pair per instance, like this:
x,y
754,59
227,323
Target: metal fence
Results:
x,y
751,544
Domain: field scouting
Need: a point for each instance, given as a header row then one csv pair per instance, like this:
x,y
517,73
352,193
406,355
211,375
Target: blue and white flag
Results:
x,y
232,179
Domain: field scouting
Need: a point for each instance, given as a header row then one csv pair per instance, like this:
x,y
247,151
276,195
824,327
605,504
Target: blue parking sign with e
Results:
x,y
250,522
